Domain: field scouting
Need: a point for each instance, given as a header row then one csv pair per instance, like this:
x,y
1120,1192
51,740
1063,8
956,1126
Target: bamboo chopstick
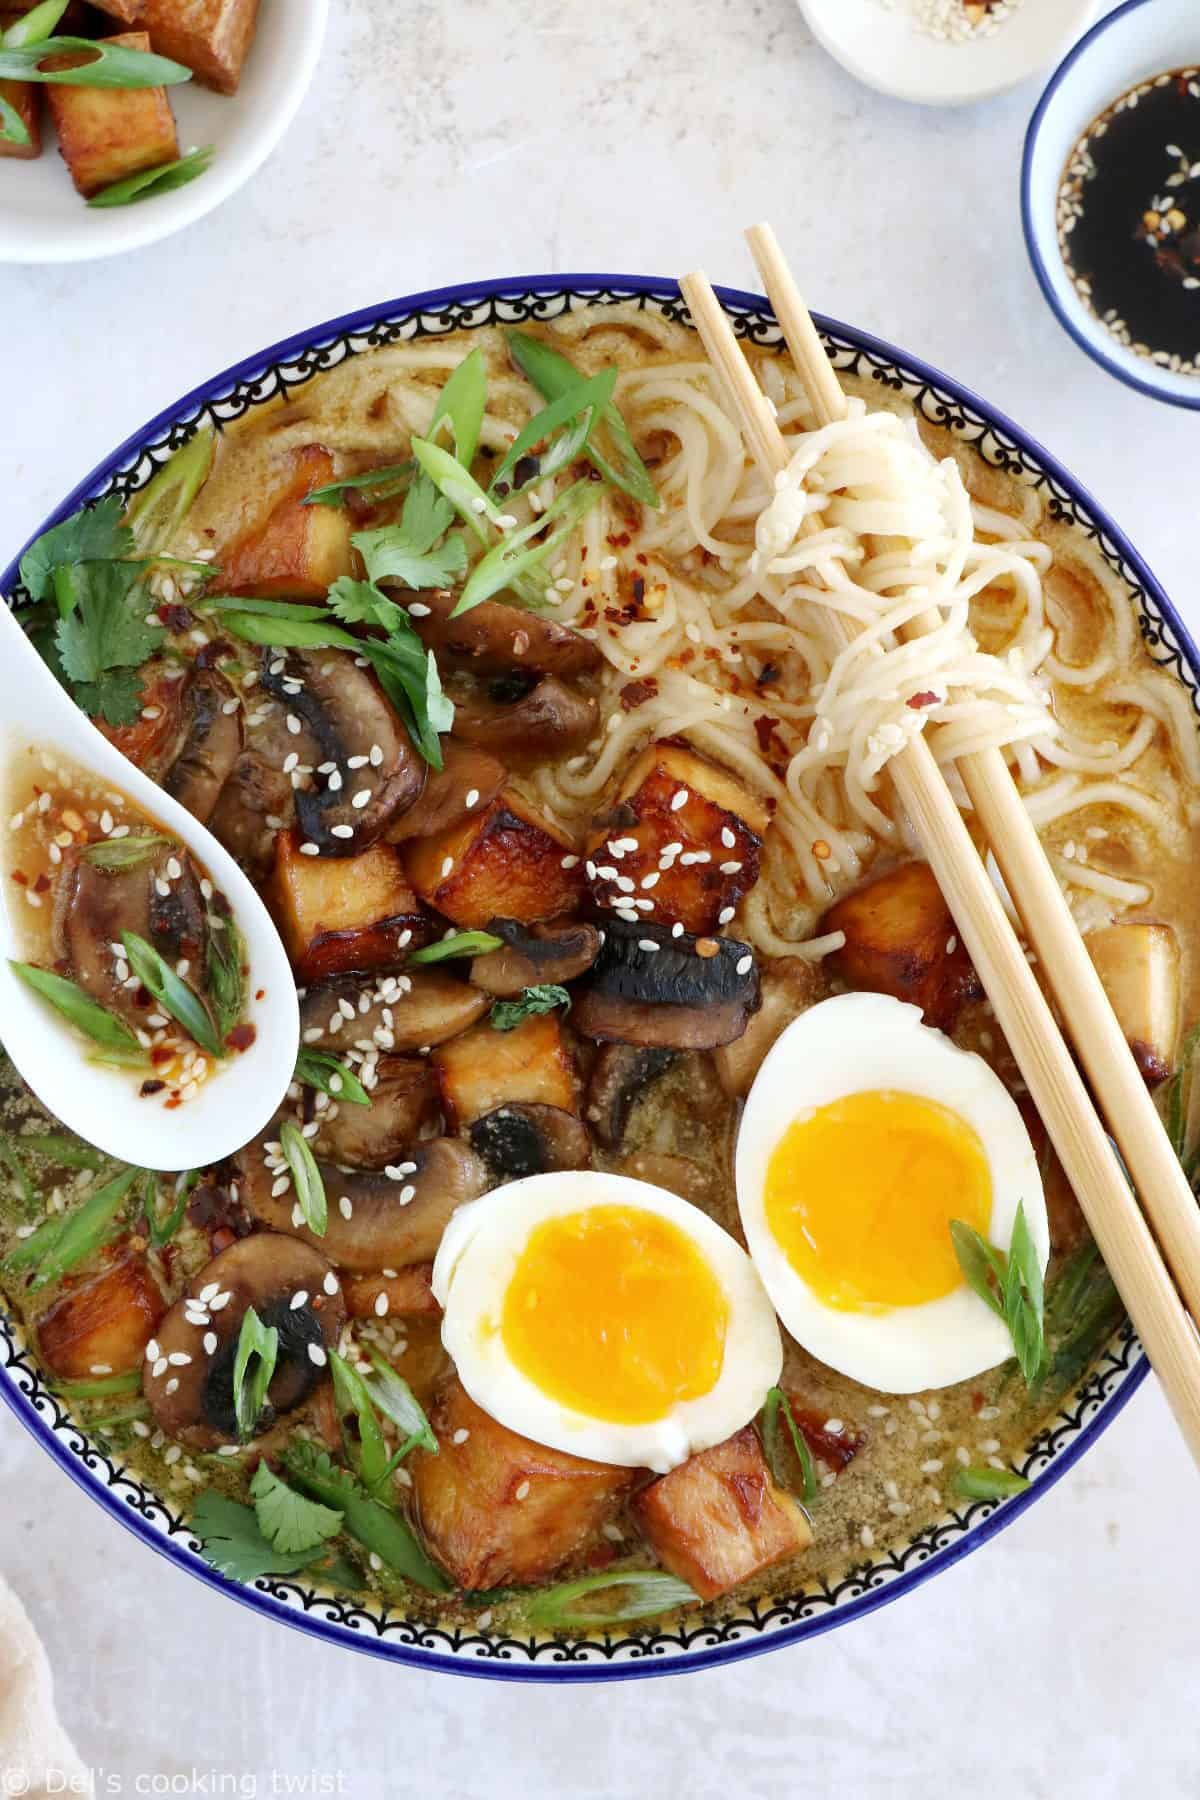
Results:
x,y
1021,1009
1166,1195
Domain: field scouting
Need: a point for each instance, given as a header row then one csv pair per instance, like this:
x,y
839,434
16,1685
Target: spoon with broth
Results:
x,y
145,994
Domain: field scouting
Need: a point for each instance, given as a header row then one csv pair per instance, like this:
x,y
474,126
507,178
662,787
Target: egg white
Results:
x,y
851,1044
476,1262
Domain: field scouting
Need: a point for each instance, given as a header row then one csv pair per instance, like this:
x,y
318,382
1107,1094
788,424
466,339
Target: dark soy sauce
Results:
x,y
1129,220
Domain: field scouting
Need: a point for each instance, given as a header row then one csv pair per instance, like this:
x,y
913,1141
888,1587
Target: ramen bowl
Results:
x,y
876,1575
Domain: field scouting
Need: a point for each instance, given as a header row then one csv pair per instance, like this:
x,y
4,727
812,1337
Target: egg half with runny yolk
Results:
x,y
605,1317
864,1135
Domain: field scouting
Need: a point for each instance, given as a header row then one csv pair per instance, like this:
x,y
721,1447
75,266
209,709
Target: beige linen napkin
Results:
x,y
37,1758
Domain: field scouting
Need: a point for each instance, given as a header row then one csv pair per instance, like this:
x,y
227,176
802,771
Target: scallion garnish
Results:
x,y
35,26
988,1484
163,179
124,853
374,1525
13,129
366,1449
66,1152
108,65
389,481
86,1014
552,375
306,1177
509,563
391,1394
172,992
645,1593
563,427
461,943
253,1369
775,1404
78,1234
223,967
157,511
1010,1285
162,1230
322,1070
102,1387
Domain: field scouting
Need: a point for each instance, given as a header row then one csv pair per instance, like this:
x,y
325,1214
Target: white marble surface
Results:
x,y
443,142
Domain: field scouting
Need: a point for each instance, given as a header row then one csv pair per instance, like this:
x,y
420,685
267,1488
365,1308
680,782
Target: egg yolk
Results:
x,y
615,1313
860,1195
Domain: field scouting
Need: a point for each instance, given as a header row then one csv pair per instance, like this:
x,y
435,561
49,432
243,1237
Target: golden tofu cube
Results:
x,y
901,940
496,1508
291,548
211,36
1139,966
343,913
718,1518
409,1294
506,861
684,835
486,1068
106,134
101,1326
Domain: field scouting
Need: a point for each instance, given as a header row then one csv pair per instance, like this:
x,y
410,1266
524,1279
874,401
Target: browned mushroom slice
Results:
x,y
404,1101
547,720
376,1221
255,802
158,899
529,1139
670,993
493,638
211,743
188,1368
620,1076
468,782
360,748
394,1013
533,955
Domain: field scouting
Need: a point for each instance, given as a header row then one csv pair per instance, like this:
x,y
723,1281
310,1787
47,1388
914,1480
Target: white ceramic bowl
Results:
x,y
1141,39
43,219
885,49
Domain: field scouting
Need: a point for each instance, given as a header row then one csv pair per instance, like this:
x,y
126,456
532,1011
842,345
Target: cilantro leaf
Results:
x,y
361,603
117,699
376,1526
230,1539
104,635
286,1519
94,534
405,551
506,1015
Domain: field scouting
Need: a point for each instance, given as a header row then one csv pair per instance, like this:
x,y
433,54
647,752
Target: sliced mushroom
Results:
x,y
555,952
94,906
468,782
210,746
620,1076
547,721
529,1139
404,1101
292,1288
256,793
349,724
673,993
376,1221
493,638
393,1013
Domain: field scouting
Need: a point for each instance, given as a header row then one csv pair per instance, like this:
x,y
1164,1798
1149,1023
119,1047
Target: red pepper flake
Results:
x,y
161,1054
917,701
177,618
260,993
837,1448
42,883
639,588
636,693
151,1087
977,1402
241,1037
175,1100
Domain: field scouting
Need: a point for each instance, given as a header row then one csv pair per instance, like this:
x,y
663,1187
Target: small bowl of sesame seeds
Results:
x,y
946,52
1110,196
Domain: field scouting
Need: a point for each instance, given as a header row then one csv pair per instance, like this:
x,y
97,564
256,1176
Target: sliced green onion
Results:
x,y
461,404
306,1177
12,1160
322,1070
35,27
253,1369
579,407
648,1591
392,480
157,511
267,609
172,992
776,1403
13,129
516,555
109,65
126,852
553,375
163,1230
101,1387
391,1394
223,968
458,486
462,943
84,1230
161,180
67,1152
86,1014
374,1525
988,1484
369,1452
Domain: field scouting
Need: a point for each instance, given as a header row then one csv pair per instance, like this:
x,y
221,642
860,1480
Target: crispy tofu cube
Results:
x,y
211,36
718,1518
101,1326
687,828
901,940
291,548
409,1294
106,134
485,1068
26,102
496,1508
343,913
789,987
507,861
128,11
1139,966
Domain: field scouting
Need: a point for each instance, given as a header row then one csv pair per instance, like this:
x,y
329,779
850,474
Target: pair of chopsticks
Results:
x,y
1156,1292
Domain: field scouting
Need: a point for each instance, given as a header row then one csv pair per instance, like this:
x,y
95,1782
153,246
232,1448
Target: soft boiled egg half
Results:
x,y
865,1134
605,1317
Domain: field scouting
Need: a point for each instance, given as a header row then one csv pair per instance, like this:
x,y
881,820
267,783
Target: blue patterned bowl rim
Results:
x,y
882,1575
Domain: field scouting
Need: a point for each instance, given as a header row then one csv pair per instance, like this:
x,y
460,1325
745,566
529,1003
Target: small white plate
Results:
x,y
43,219
885,48
1141,39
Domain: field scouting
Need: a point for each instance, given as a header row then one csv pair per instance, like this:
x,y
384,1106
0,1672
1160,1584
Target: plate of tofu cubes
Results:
x,y
127,120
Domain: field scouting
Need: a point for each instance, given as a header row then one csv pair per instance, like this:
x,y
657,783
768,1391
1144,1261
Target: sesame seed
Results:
x,y
569,862
362,798
179,1359
730,868
357,762
375,756
447,866
346,1207
310,850
152,1350
160,1368
316,1354
460,1436
647,944
678,799
172,1386
745,964
382,1304
866,1538
330,1283
677,931
298,1299
210,1343
294,725
951,945
341,831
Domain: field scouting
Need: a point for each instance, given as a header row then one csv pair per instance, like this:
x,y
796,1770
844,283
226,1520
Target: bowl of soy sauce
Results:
x,y
1110,196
